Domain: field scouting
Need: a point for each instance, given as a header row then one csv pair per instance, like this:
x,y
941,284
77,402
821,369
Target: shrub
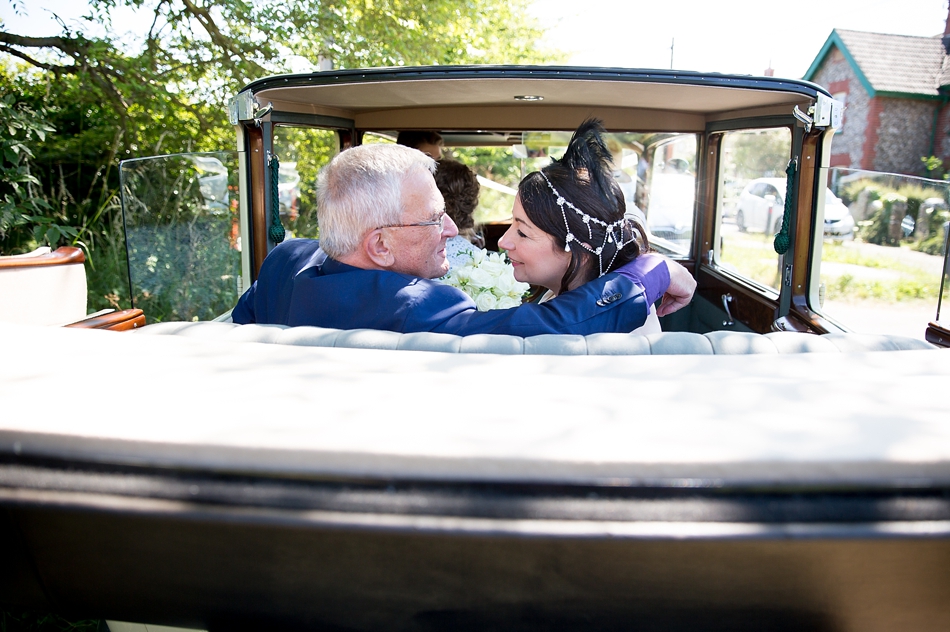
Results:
x,y
878,229
907,197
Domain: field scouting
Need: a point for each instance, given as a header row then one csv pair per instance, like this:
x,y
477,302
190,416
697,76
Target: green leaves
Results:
x,y
163,91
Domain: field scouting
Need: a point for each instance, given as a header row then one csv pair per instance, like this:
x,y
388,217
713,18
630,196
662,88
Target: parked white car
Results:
x,y
762,204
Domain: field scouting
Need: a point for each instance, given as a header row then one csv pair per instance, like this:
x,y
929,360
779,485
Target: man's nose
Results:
x,y
449,229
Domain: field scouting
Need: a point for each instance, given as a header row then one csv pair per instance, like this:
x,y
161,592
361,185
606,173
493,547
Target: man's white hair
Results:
x,y
361,190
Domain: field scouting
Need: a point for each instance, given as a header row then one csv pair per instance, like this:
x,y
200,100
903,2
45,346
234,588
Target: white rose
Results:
x,y
480,278
486,301
505,283
494,268
507,302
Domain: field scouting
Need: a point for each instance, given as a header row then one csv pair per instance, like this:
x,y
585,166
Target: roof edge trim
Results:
x,y
357,75
835,40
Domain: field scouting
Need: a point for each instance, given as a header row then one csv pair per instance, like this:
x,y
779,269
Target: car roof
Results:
x,y
485,97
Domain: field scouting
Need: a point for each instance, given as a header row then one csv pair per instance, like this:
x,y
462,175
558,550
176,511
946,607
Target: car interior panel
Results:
x,y
43,287
47,287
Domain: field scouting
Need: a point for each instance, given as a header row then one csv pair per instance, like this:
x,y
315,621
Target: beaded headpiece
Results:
x,y
613,232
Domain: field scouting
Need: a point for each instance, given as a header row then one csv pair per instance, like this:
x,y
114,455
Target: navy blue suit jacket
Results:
x,y
300,285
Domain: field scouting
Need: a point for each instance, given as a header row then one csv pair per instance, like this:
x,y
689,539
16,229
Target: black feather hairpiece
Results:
x,y
587,156
588,159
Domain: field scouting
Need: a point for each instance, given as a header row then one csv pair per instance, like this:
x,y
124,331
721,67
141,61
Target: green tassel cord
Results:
x,y
276,230
782,240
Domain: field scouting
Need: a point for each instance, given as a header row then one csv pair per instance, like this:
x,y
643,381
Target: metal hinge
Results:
x,y
241,107
825,112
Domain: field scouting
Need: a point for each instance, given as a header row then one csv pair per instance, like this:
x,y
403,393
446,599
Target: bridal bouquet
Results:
x,y
488,279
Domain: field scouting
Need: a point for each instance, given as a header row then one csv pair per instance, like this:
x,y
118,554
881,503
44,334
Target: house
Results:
x,y
896,89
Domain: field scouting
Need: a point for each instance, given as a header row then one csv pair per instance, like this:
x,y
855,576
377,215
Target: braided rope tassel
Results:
x,y
276,230
782,240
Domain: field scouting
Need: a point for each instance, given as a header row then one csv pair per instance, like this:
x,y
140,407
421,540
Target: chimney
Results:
x,y
768,71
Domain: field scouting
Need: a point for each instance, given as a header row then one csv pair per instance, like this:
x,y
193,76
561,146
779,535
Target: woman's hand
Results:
x,y
680,291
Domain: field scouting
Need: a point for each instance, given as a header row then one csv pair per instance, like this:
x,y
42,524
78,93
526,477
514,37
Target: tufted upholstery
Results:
x,y
666,343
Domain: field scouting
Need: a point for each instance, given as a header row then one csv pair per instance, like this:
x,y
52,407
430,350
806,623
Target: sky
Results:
x,y
729,36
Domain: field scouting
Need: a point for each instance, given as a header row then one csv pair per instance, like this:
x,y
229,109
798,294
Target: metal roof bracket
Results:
x,y
825,112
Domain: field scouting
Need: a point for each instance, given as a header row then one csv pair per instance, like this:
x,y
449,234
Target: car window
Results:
x,y
302,152
655,172
748,222
669,177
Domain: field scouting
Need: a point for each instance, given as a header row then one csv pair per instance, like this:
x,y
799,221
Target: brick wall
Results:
x,y
835,75
942,141
875,108
903,135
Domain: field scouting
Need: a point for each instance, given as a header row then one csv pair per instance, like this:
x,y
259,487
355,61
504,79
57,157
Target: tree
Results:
x,y
19,205
199,52
166,91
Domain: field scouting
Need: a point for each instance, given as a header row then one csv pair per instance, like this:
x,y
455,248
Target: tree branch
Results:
x,y
35,62
204,18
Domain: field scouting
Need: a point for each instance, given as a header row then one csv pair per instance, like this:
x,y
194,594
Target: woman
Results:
x,y
568,222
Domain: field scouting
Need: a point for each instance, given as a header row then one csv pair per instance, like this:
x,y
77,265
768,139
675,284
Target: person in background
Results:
x,y
427,141
459,187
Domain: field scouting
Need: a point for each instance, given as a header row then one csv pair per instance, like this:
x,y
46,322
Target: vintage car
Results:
x,y
201,474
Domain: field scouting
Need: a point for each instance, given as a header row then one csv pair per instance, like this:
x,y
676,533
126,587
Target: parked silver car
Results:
x,y
762,204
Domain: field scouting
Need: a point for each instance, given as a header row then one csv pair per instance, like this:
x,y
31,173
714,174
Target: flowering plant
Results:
x,y
488,279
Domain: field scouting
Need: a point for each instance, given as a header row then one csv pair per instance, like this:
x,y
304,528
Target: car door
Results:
x,y
743,280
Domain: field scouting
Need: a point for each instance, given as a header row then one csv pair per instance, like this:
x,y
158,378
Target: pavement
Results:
x,y
906,318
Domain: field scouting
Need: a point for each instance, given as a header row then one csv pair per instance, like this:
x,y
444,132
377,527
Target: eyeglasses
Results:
x,y
432,222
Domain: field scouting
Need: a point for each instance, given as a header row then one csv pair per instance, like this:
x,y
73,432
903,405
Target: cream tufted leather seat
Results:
x,y
665,343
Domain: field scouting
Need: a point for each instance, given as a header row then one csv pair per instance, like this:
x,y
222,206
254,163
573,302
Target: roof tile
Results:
x,y
898,63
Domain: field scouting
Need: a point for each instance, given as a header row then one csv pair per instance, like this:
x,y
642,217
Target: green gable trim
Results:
x,y
834,40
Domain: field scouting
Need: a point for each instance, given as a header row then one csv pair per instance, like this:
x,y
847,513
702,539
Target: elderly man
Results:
x,y
383,230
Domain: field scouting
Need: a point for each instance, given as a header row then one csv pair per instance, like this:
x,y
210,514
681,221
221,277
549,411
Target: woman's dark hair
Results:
x,y
584,178
460,188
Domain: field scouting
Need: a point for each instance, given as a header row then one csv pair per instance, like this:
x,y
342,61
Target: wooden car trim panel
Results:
x,y
257,206
122,320
64,255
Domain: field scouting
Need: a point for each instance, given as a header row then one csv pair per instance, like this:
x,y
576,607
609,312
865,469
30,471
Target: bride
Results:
x,y
568,222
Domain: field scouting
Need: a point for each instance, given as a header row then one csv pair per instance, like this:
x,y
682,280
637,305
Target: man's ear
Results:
x,y
377,249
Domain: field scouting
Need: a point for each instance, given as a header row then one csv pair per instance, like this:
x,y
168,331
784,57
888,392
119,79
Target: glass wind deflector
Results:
x,y
182,234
